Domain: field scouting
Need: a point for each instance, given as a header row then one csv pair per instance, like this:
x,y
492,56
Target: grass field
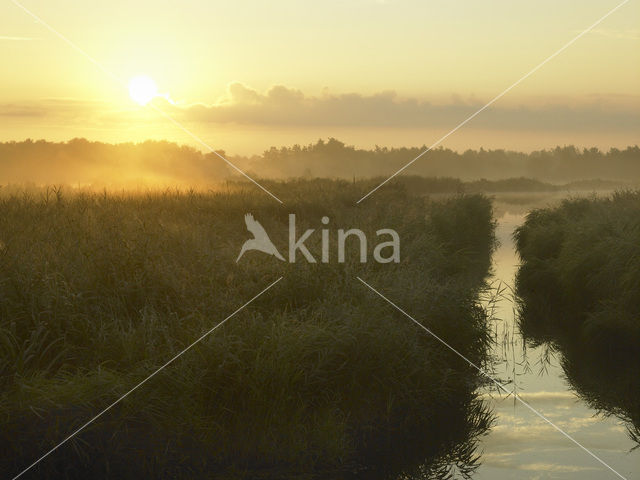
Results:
x,y
318,376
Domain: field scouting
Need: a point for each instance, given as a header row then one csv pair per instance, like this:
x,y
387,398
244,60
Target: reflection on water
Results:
x,y
522,445
604,382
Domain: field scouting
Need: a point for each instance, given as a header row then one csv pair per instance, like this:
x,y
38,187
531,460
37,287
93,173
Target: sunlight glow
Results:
x,y
142,89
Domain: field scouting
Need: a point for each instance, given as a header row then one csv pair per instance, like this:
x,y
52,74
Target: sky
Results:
x,y
245,75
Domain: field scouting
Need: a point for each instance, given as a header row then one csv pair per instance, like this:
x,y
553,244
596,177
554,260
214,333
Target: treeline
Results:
x,y
80,161
333,158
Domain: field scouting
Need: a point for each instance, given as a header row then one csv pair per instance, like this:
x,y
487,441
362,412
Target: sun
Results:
x,y
142,89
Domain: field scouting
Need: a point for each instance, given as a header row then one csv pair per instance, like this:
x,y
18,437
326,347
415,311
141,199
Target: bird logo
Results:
x,y
260,240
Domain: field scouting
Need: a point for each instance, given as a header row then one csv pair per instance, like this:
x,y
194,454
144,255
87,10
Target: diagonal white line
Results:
x,y
501,94
124,84
483,372
175,357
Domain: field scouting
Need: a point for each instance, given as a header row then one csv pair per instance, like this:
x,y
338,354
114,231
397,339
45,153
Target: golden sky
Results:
x,y
245,75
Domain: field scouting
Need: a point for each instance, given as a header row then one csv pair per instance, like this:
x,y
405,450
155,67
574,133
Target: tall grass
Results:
x,y
579,284
316,377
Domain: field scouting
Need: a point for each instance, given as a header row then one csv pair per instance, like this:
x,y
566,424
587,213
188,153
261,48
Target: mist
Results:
x,y
80,162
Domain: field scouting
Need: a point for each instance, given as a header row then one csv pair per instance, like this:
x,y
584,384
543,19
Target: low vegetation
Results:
x,y
318,376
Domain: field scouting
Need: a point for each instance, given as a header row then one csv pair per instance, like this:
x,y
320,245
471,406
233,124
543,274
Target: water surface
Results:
x,y
521,445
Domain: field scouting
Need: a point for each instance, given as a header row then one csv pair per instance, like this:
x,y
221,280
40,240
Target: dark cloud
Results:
x,y
283,106
13,110
62,108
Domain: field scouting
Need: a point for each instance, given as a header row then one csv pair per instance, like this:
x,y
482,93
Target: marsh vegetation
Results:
x,y
578,287
318,376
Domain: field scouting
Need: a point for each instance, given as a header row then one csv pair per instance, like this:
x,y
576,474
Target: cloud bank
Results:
x,y
284,106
